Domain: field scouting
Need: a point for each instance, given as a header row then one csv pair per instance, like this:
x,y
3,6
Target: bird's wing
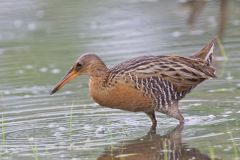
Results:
x,y
182,72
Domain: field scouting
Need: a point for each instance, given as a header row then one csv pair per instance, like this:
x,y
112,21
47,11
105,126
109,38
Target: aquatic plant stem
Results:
x,y
211,152
35,151
235,147
221,47
165,152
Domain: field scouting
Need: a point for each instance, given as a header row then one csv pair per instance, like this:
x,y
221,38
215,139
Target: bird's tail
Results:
x,y
206,52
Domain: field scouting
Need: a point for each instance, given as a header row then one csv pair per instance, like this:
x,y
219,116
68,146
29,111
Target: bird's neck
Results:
x,y
98,75
99,70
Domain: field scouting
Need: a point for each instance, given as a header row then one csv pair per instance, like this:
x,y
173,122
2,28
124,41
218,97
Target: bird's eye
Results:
x,y
79,66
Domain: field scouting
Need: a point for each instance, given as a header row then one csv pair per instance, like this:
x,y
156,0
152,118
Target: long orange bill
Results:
x,y
70,75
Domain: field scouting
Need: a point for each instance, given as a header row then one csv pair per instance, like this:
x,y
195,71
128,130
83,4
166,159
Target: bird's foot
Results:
x,y
152,130
181,121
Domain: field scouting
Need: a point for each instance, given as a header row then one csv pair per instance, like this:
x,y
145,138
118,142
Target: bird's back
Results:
x,y
165,79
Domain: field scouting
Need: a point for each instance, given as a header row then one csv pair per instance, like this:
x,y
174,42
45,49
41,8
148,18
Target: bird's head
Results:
x,y
85,64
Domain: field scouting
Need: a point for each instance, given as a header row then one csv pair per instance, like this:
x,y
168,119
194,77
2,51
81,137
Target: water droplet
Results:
x,y
228,149
100,131
62,143
20,71
176,34
53,125
236,22
62,155
29,66
225,115
193,158
6,92
17,23
228,112
68,92
218,146
26,96
43,69
211,116
229,77
31,26
62,129
31,139
55,71
71,146
196,104
57,134
87,127
211,90
197,32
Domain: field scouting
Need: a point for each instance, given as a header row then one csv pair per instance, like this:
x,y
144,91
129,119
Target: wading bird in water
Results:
x,y
144,84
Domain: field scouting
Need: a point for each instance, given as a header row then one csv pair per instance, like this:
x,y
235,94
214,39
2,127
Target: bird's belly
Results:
x,y
123,97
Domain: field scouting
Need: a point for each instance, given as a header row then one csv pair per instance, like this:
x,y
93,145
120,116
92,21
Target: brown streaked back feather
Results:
x,y
164,79
183,72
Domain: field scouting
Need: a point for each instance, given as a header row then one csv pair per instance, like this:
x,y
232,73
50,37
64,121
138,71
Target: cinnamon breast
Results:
x,y
121,96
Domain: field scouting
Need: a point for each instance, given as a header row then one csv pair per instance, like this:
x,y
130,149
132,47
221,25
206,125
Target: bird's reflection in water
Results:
x,y
196,7
155,147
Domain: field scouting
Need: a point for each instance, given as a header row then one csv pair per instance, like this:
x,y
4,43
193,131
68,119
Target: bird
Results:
x,y
149,84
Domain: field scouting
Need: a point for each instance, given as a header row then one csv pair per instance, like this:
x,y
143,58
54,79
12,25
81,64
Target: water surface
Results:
x,y
39,41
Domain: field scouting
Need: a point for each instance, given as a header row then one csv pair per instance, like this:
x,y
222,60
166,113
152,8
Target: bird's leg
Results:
x,y
175,113
151,115
180,118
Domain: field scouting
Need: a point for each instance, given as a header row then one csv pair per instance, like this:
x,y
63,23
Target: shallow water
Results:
x,y
39,41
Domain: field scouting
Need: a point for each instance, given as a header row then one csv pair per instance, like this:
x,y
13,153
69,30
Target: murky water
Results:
x,y
39,41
